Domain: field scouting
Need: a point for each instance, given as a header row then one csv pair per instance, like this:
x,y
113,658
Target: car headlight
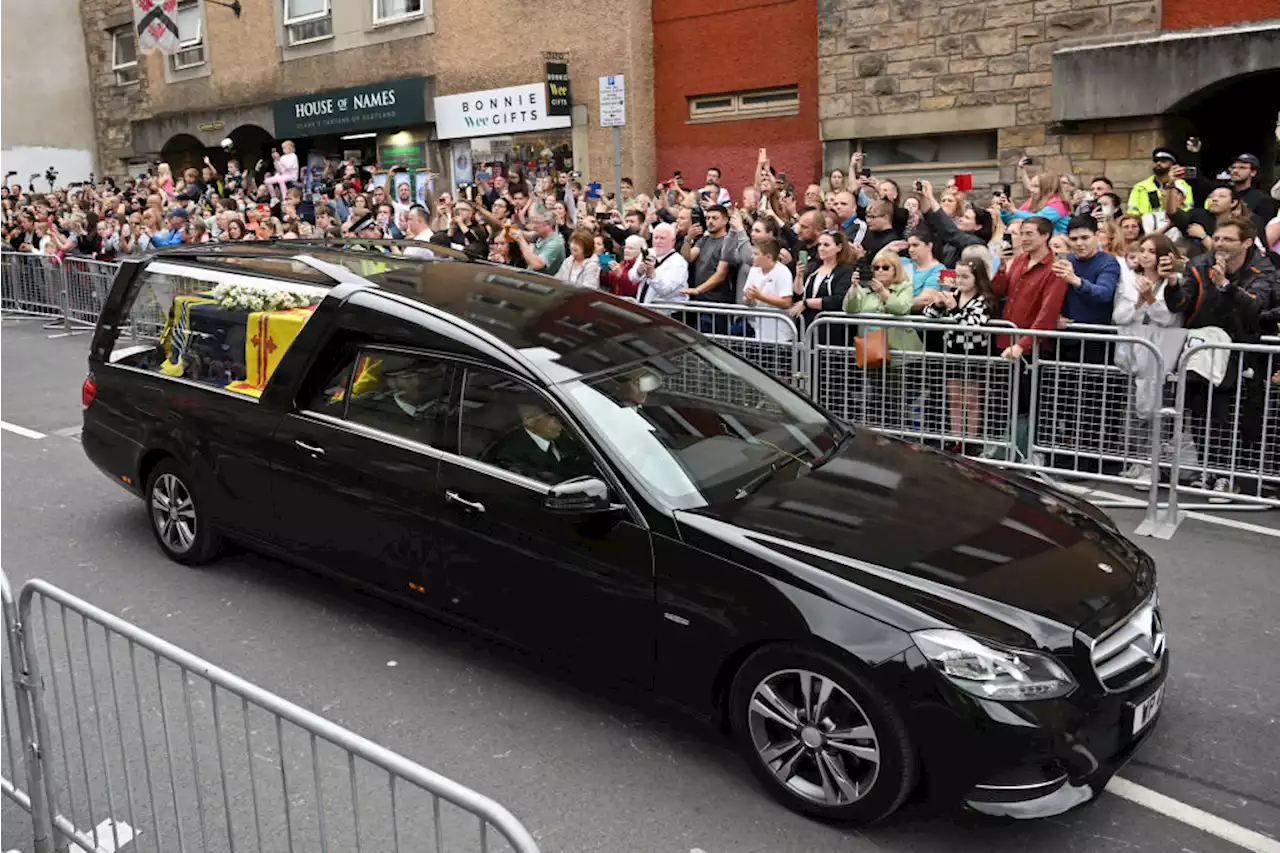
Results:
x,y
992,672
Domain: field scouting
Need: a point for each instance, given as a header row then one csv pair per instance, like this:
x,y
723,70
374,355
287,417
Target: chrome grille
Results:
x,y
1130,652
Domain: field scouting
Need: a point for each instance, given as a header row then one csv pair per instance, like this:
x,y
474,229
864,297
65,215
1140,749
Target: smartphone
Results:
x,y
1007,239
866,173
947,280
606,259
919,186
1025,161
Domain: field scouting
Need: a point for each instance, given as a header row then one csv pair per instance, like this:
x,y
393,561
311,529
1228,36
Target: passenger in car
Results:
x,y
541,449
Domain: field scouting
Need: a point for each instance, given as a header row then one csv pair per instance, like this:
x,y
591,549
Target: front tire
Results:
x,y
821,737
175,510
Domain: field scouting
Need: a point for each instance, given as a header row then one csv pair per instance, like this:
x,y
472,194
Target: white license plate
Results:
x,y
1145,712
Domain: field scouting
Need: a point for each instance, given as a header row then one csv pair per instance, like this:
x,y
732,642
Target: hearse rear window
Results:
x,y
219,328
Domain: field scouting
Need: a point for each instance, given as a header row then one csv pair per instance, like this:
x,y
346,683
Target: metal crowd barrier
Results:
x,y
31,286
131,740
1230,427
767,337
87,284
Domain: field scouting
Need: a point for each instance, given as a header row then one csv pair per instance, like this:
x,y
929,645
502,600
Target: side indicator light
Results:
x,y
128,480
417,587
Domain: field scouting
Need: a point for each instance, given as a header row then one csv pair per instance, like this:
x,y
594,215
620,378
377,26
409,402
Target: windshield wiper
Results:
x,y
835,448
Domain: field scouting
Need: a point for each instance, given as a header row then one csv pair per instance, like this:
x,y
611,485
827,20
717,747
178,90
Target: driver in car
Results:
x,y
540,448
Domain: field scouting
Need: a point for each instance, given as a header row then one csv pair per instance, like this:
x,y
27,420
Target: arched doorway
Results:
x,y
181,152
1233,117
249,144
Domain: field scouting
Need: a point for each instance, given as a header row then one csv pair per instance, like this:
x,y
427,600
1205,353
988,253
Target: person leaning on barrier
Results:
x,y
1227,291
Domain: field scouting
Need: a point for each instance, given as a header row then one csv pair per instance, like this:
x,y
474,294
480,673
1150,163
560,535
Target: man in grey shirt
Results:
x,y
710,259
547,254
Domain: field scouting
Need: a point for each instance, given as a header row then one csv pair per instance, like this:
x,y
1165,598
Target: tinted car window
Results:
x,y
507,424
405,395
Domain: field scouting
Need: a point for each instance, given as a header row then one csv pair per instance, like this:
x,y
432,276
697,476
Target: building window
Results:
x,y
392,11
124,56
306,21
191,37
761,102
956,149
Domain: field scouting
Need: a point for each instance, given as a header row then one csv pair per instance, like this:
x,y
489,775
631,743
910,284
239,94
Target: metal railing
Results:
x,y
131,739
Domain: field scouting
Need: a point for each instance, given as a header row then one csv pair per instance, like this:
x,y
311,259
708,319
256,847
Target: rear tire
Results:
x,y
177,520
844,755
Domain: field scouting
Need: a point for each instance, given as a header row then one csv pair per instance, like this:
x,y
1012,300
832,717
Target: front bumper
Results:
x,y
1021,760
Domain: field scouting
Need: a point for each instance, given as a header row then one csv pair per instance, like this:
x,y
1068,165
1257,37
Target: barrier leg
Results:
x,y
29,717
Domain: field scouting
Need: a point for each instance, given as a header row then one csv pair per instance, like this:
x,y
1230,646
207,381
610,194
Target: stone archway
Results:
x,y
1233,117
1152,75
182,151
249,143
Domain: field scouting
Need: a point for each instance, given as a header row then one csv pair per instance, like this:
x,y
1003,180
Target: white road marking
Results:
x,y
1085,491
106,839
19,430
1255,842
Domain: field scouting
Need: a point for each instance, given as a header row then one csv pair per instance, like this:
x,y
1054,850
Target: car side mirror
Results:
x,y
581,494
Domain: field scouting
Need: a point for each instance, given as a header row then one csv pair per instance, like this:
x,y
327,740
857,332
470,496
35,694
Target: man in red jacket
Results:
x,y
1033,300
1033,291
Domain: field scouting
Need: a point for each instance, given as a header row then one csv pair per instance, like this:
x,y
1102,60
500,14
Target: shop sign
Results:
x,y
411,156
391,103
212,125
515,109
559,102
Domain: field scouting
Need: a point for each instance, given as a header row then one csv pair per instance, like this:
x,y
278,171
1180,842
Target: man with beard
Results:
x,y
1147,196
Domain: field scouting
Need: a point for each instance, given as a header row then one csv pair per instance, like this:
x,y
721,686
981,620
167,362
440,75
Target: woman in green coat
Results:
x,y
884,388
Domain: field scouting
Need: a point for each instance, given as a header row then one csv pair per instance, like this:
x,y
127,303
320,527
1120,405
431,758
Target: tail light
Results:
x,y
88,391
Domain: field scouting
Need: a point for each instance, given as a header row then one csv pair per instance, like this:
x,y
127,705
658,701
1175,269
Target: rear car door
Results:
x,y
577,585
356,464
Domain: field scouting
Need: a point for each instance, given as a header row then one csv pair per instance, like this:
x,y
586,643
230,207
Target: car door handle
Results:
x,y
455,498
315,450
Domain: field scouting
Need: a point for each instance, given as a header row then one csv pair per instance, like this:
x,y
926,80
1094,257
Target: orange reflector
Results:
x,y
417,587
128,480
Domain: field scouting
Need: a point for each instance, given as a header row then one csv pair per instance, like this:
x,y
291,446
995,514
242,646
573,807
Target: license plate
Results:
x,y
1146,711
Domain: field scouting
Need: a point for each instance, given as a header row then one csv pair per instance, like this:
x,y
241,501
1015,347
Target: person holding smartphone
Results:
x,y
1147,196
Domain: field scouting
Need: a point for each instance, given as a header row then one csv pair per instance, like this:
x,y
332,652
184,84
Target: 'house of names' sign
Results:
x,y
390,104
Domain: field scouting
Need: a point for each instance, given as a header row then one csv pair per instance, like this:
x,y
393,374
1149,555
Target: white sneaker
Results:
x,y
1222,491
1139,474
1201,482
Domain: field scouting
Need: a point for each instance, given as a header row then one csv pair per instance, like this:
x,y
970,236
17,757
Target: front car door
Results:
x,y
579,586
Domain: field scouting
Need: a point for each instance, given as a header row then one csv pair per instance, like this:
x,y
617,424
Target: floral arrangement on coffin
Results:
x,y
246,297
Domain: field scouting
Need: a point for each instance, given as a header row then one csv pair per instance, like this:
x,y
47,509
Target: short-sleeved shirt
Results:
x,y
551,249
923,279
710,254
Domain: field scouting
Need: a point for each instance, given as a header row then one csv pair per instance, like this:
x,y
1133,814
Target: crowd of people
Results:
x,y
1175,254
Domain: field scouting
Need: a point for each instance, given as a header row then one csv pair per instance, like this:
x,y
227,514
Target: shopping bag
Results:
x,y
871,349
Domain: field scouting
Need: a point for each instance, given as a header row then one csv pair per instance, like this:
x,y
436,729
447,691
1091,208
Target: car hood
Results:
x,y
884,522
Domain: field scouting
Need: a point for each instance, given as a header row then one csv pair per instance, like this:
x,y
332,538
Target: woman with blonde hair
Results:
x,y
164,178
888,291
1044,200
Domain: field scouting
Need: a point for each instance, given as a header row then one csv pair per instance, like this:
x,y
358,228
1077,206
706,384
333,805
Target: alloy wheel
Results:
x,y
814,737
174,513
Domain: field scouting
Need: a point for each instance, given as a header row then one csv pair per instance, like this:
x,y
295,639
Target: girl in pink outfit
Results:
x,y
286,171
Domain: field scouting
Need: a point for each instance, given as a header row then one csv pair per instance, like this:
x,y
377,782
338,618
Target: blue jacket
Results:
x,y
1091,301
167,238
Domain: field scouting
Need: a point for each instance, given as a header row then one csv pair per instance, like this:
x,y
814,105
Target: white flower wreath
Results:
x,y
246,297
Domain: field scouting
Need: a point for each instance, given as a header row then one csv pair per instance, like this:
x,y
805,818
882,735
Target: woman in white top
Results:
x,y
582,267
769,282
1139,306
286,169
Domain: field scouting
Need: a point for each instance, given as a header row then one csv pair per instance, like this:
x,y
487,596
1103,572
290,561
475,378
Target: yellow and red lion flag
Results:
x,y
266,340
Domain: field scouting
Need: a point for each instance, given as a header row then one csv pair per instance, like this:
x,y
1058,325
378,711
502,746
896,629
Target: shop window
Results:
x,y
124,56
191,37
732,105
307,21
391,11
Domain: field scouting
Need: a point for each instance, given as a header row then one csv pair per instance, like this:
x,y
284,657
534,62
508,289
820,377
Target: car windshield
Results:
x,y
701,426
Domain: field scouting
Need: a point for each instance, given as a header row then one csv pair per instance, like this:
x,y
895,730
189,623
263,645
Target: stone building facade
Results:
x,y
252,63
944,86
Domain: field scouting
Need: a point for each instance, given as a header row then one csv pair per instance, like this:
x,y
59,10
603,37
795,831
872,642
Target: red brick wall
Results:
x,y
719,46
1186,14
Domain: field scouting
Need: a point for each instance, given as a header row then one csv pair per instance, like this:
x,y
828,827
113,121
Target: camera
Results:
x,y
919,186
51,175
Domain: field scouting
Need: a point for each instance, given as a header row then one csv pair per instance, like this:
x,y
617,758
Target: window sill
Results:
x,y
117,84
403,19
744,117
306,42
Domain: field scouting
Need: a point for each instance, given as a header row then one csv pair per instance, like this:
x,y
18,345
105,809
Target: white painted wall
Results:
x,y
47,107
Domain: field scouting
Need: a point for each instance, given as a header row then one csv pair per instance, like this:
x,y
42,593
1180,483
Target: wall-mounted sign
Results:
x,y
390,104
558,104
515,109
412,155
213,125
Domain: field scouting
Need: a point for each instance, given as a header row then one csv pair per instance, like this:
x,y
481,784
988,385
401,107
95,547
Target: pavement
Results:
x,y
587,768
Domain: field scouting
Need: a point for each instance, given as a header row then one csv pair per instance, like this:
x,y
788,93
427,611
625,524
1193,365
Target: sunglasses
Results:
x,y
881,267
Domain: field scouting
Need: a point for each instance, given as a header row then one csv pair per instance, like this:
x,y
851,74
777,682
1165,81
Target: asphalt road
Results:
x,y
602,770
